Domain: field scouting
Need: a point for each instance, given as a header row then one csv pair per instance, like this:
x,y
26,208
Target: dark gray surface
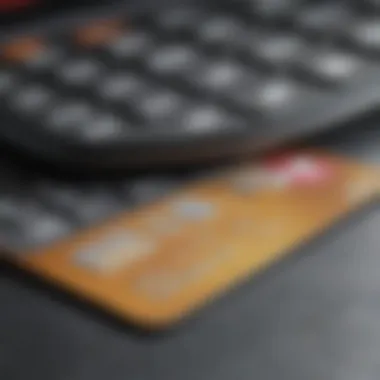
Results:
x,y
315,316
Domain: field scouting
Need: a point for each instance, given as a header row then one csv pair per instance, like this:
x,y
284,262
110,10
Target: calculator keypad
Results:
x,y
187,69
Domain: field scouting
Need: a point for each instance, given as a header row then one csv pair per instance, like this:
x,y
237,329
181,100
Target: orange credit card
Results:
x,y
156,265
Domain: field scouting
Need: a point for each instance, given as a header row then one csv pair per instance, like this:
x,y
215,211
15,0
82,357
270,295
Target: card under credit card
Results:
x,y
156,265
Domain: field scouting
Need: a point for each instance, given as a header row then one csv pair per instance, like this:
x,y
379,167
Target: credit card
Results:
x,y
158,264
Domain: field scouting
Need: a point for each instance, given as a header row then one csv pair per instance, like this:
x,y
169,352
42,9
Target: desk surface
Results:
x,y
315,316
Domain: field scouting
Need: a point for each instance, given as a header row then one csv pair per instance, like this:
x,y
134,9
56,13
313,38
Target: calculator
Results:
x,y
113,85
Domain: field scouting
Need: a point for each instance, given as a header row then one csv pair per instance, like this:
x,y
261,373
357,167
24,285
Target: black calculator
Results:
x,y
113,85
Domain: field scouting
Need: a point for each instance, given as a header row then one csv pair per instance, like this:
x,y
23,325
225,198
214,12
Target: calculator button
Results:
x,y
42,227
276,49
32,99
221,31
204,119
172,60
129,46
272,95
66,116
7,82
366,34
102,128
80,72
178,20
121,87
332,66
220,77
159,105
275,94
324,17
25,224
80,205
272,9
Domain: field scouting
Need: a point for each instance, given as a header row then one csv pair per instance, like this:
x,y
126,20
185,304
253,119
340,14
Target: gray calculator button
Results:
x,y
276,94
333,66
204,119
130,46
7,82
273,95
366,34
70,115
79,205
178,19
272,8
43,228
32,99
324,17
120,87
172,60
102,128
79,72
220,30
221,76
277,49
28,224
159,105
